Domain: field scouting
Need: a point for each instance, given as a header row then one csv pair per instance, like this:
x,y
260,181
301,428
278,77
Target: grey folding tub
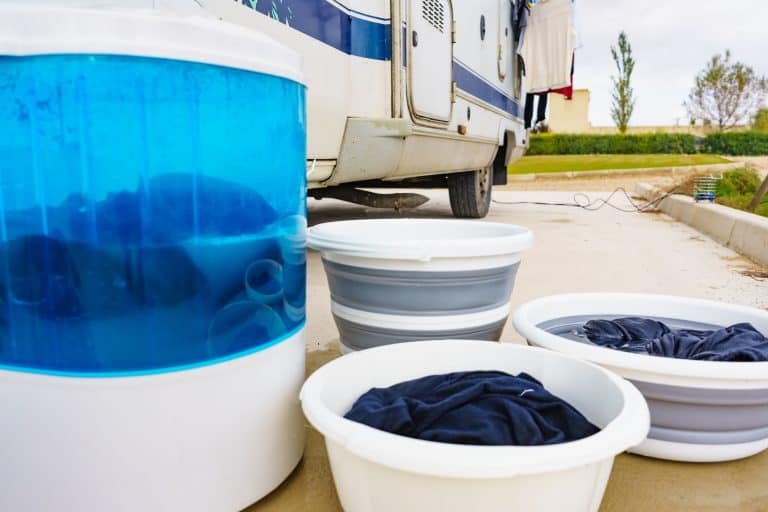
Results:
x,y
701,411
399,280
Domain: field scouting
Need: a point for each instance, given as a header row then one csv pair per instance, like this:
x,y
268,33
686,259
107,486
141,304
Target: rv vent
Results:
x,y
434,13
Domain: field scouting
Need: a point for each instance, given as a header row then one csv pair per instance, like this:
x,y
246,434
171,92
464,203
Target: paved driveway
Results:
x,y
575,251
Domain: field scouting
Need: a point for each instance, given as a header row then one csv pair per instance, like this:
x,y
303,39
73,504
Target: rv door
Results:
x,y
430,61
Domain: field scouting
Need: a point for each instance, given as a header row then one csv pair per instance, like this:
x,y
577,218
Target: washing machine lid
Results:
x,y
169,31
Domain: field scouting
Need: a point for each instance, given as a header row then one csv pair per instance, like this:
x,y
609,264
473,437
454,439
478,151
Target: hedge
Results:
x,y
736,143
576,144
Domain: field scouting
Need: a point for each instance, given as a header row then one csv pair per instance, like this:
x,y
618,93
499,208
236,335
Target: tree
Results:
x,y
623,96
761,120
726,93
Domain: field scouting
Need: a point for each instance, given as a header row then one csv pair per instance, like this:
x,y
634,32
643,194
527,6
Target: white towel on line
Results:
x,y
548,45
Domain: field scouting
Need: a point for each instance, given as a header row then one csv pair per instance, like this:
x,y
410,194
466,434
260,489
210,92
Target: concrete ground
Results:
x,y
575,250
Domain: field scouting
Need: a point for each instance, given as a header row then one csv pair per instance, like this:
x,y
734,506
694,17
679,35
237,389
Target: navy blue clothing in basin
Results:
x,y
474,408
740,342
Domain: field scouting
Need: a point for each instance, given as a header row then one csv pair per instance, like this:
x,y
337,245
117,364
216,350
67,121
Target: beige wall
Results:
x,y
569,116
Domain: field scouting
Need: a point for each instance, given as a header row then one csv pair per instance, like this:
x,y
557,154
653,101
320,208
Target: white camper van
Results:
x,y
401,93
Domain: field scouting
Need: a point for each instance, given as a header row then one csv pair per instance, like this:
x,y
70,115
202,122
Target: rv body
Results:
x,y
401,92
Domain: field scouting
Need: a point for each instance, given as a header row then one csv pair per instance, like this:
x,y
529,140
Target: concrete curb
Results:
x,y
743,232
687,169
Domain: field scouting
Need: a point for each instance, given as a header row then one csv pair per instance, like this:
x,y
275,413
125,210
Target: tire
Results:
x,y
470,193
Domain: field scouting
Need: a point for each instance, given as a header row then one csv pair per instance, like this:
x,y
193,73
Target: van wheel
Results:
x,y
470,193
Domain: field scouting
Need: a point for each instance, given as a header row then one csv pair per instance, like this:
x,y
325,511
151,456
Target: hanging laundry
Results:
x,y
740,342
568,90
547,45
520,13
476,408
541,112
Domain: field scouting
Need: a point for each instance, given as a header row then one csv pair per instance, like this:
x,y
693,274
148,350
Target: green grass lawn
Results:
x,y
566,163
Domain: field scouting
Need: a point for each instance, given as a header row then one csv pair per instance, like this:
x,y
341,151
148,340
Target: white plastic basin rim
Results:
x,y
419,239
707,374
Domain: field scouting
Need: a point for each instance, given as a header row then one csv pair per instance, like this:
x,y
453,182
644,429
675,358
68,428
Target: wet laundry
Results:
x,y
185,205
103,276
72,279
738,343
474,408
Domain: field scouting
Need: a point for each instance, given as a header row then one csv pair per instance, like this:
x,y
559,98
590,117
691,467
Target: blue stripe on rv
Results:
x,y
330,24
469,82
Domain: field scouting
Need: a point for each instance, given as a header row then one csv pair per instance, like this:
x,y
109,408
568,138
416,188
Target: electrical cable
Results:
x,y
583,201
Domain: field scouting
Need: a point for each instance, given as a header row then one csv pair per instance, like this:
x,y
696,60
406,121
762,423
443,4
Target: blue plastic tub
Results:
x,y
152,212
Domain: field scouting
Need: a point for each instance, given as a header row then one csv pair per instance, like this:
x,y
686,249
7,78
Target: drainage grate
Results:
x,y
434,12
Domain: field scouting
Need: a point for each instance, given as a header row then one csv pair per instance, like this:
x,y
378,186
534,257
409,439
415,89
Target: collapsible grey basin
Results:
x,y
407,292
359,330
701,411
398,280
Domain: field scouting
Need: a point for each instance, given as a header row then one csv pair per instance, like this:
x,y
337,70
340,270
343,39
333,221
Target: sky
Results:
x,y
672,40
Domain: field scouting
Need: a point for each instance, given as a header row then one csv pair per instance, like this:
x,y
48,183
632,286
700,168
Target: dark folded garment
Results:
x,y
202,206
628,334
145,277
166,209
55,279
740,342
477,408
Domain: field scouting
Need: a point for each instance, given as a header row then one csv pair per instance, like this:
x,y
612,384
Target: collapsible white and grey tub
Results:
x,y
400,280
701,411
